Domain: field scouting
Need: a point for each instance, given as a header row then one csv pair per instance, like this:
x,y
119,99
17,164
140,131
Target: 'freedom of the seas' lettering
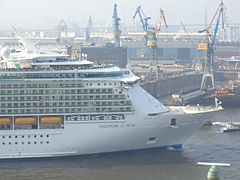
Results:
x,y
117,125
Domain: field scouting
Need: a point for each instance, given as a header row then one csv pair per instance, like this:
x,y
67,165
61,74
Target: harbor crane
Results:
x,y
117,31
144,21
209,47
161,20
153,32
152,36
88,29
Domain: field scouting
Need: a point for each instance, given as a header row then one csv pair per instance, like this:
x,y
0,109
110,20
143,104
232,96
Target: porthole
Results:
x,y
9,137
35,136
47,135
16,143
9,143
29,142
41,136
47,142
3,137
35,142
41,142
15,136
29,136
3,143
22,136
22,142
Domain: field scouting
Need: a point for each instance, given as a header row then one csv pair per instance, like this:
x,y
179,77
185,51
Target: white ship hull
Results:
x,y
91,138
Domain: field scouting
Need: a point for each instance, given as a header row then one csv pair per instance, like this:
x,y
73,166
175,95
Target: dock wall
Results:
x,y
186,83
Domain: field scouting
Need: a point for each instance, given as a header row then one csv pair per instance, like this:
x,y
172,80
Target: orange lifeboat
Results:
x,y
25,120
5,121
51,120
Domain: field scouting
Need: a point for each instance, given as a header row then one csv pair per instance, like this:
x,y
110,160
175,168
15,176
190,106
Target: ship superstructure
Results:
x,y
59,108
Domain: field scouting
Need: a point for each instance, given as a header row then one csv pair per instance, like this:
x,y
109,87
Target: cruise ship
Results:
x,y
64,107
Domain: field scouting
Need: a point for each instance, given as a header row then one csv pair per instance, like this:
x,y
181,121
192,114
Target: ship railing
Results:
x,y
53,68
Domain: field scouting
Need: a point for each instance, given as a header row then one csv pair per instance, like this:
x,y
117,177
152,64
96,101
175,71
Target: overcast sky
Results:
x,y
42,13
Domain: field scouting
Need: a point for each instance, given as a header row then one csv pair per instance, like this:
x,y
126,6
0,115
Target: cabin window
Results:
x,y
173,122
152,139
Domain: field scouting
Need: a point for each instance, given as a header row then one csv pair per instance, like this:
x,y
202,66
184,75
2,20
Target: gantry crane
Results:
x,y
144,21
117,31
209,47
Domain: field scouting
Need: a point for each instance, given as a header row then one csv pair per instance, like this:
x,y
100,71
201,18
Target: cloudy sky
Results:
x,y
43,13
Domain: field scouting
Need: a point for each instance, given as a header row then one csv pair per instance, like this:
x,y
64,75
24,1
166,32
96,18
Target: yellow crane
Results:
x,y
154,33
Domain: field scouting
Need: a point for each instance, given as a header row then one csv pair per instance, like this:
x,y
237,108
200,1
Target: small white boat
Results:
x,y
195,109
231,127
191,109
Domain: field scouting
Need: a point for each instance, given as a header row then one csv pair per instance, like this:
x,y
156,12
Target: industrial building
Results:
x,y
101,55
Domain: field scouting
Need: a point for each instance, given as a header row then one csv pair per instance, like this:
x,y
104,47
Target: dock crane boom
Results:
x,y
117,31
162,19
144,21
209,47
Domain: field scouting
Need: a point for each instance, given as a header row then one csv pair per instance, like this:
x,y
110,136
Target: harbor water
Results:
x,y
206,145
